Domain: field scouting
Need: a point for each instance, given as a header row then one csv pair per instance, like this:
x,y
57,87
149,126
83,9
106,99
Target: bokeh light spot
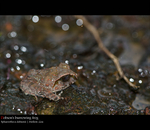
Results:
x,y
58,19
23,48
8,55
79,22
65,27
35,18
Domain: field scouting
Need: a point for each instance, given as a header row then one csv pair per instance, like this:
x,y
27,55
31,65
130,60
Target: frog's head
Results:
x,y
62,77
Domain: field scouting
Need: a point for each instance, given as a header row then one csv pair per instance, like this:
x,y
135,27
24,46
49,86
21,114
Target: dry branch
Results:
x,y
95,33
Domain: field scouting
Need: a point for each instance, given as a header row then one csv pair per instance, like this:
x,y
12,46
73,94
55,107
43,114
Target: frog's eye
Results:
x,y
65,78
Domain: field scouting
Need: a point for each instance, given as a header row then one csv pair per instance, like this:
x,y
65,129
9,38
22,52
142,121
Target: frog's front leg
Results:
x,y
52,96
27,86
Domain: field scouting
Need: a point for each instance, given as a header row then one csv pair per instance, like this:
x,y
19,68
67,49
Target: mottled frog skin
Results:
x,y
46,82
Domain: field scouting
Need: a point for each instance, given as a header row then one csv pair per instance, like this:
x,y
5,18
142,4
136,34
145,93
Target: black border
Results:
x,y
75,7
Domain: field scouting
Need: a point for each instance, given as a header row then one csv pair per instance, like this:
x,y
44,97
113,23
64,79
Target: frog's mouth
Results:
x,y
64,82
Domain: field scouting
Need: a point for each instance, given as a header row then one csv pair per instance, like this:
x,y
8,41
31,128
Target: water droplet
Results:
x,y
13,107
66,61
140,81
13,34
79,22
41,64
80,67
17,67
12,69
8,55
114,85
35,18
146,72
137,112
18,109
21,76
19,61
65,27
140,70
32,112
84,74
25,112
93,72
16,47
58,19
142,74
24,49
131,80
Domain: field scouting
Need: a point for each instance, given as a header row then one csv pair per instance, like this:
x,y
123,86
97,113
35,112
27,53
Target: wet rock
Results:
x,y
132,55
12,101
140,102
24,47
46,107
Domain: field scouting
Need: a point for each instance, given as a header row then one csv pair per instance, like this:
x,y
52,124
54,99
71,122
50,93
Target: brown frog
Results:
x,y
47,82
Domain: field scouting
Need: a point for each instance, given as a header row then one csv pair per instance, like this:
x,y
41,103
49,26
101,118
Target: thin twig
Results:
x,y
95,33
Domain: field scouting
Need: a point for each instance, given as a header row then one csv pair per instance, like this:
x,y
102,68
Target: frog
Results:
x,y
46,82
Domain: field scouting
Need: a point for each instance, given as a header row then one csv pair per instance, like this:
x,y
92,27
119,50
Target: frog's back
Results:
x,y
46,82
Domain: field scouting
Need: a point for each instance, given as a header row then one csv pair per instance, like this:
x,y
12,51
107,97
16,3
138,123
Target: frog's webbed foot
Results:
x,y
35,96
